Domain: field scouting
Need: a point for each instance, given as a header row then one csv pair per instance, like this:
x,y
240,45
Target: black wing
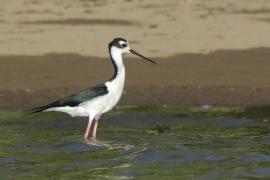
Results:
x,y
75,99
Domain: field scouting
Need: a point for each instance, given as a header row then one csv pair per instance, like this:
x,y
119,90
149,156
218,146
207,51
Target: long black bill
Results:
x,y
145,58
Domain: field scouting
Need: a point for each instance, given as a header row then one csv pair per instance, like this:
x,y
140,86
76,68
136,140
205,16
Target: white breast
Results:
x,y
115,87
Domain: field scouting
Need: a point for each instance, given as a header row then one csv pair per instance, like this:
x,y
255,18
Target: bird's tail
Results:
x,y
34,110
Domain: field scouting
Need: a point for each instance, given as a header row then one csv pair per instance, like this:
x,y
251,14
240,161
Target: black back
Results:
x,y
75,99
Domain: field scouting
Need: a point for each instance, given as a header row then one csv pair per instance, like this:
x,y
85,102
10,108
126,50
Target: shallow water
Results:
x,y
136,145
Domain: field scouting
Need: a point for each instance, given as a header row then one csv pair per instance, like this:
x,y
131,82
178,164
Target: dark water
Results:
x,y
135,145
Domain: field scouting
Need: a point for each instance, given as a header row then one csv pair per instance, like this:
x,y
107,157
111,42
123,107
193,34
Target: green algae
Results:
x,y
146,142
239,112
183,110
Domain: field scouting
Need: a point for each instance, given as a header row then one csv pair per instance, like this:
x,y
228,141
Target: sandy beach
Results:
x,y
208,52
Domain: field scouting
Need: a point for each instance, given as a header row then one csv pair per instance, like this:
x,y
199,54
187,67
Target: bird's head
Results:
x,y
122,46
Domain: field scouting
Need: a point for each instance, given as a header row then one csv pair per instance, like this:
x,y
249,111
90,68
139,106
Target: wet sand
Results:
x,y
223,78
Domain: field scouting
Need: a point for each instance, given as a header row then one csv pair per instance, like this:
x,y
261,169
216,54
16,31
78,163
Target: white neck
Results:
x,y
117,59
116,84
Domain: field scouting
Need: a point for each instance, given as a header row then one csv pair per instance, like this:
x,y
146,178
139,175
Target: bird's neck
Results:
x,y
117,60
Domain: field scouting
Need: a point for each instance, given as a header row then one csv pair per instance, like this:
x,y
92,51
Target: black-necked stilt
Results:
x,y
95,101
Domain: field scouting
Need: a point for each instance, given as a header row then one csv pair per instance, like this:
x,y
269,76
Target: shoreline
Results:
x,y
183,96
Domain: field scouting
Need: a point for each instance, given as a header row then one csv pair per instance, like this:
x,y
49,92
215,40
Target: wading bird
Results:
x,y
95,101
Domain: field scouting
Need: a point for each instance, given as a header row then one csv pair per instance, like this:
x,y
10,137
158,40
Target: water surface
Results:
x,y
136,144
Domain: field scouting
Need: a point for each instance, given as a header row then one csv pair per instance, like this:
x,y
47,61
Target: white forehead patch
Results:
x,y
122,42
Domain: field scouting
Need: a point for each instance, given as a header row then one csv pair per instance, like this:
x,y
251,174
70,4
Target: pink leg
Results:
x,y
95,130
87,129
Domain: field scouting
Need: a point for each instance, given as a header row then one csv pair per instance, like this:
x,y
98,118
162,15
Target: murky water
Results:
x,y
136,145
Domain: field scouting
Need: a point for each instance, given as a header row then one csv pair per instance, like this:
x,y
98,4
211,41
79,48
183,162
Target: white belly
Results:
x,y
94,108
99,105
104,103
